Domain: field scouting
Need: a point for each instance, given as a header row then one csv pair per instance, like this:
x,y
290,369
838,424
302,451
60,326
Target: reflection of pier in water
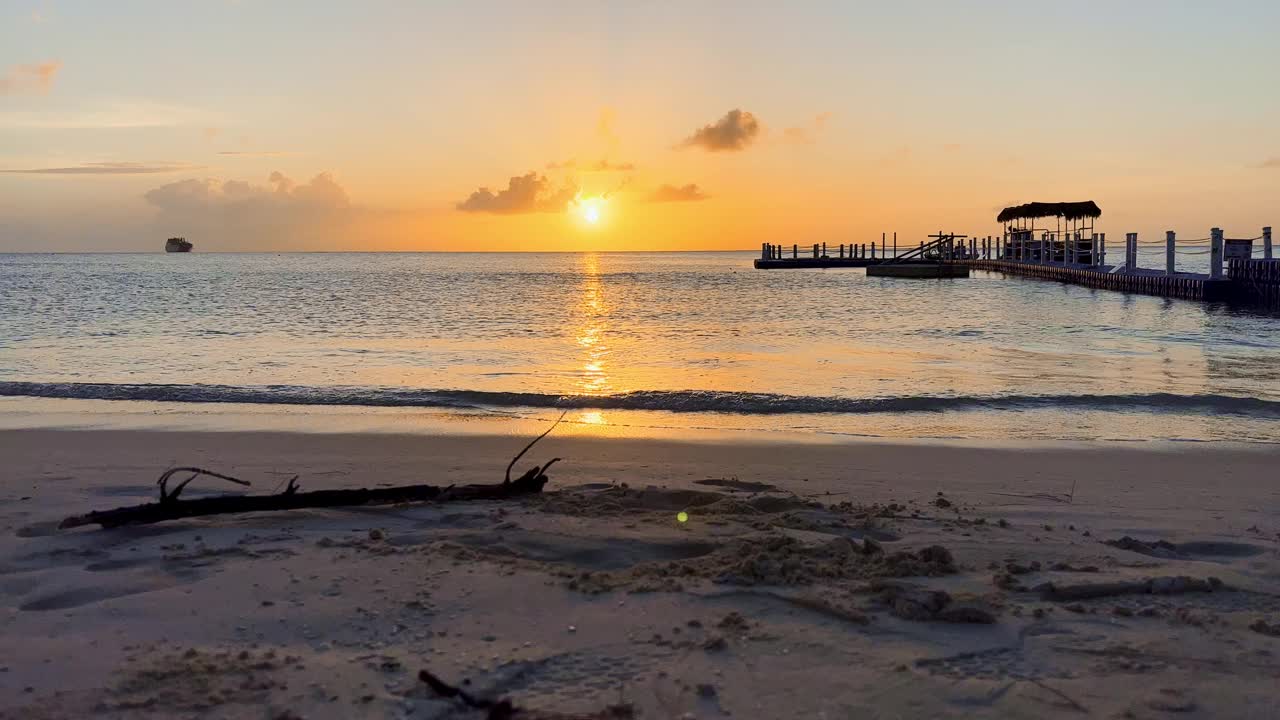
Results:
x,y
1070,251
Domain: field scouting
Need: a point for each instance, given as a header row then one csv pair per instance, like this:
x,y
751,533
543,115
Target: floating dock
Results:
x,y
922,270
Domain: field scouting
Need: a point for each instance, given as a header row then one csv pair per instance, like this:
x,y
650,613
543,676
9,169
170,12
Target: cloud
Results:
x,y
672,193
606,166
810,133
108,168
238,215
1270,163
119,114
527,193
322,192
597,166
242,215
735,131
29,78
256,153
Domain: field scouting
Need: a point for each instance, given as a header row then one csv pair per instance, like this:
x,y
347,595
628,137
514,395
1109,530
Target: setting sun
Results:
x,y
590,209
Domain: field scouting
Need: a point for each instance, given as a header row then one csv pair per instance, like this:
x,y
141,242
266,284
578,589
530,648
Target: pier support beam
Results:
x,y
1169,260
1130,252
1215,254
1266,243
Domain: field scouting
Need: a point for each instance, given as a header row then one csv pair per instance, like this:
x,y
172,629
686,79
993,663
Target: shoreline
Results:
x,y
27,413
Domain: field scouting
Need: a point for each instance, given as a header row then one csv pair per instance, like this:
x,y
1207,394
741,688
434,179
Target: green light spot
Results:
x,y
682,516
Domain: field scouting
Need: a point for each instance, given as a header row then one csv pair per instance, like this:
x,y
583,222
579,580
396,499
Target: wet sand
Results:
x,y
809,580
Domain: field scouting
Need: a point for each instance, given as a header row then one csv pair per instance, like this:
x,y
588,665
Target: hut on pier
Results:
x,y
1028,237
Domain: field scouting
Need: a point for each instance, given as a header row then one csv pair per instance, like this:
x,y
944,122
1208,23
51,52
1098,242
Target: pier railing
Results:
x,y
1209,255
1204,268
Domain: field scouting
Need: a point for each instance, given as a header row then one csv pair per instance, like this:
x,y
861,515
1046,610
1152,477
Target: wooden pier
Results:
x,y
1069,251
776,257
1189,286
820,255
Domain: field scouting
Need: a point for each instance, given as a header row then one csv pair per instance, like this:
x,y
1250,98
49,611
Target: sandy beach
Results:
x,y
809,580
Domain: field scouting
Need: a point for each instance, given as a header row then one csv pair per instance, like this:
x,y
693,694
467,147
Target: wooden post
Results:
x,y
1102,248
895,244
1266,242
873,249
1169,241
1215,254
815,251
824,249
795,251
1130,251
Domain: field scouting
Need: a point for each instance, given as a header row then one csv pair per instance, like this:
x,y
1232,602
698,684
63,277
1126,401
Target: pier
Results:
x,y
1070,251
776,257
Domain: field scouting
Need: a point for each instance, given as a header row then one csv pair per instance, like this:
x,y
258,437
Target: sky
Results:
x,y
257,125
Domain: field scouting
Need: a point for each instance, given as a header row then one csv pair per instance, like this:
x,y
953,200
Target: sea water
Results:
x,y
636,340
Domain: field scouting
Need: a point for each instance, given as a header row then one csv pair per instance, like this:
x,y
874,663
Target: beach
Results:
x,y
638,361
835,579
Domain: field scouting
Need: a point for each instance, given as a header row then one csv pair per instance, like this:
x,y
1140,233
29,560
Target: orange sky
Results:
x,y
713,127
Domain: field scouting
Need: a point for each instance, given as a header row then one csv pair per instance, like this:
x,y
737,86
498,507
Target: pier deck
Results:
x,y
1247,280
1189,286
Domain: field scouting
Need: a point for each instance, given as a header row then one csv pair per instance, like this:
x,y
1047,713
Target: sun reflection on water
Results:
x,y
593,321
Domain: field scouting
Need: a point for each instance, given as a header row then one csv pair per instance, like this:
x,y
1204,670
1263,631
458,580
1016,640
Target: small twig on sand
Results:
x,y
497,709
505,710
1070,703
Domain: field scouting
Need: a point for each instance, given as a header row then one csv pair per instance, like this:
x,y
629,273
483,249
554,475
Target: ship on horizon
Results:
x,y
177,245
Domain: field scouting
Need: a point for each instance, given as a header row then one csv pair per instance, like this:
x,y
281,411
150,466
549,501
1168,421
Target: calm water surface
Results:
x,y
669,338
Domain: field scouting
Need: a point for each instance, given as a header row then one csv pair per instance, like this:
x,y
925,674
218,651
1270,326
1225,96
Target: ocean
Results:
x,y
638,340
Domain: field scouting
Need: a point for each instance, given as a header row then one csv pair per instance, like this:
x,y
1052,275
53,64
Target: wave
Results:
x,y
679,401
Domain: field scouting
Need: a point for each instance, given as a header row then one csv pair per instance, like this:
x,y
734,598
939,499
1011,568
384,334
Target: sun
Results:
x,y
590,210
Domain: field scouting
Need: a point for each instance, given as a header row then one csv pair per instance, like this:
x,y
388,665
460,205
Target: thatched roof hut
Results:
x,y
1067,210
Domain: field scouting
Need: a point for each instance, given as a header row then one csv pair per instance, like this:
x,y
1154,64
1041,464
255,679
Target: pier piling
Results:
x,y
1215,254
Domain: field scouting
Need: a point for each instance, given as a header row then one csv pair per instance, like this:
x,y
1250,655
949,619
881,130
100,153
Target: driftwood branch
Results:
x,y
504,709
163,482
171,507
535,442
291,499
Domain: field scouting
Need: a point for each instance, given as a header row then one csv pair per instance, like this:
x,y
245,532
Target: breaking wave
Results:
x,y
679,401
